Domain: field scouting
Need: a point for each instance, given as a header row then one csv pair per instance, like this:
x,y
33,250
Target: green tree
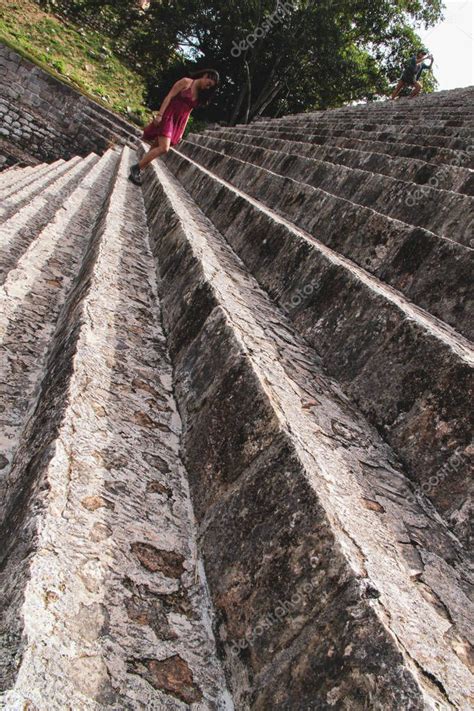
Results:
x,y
312,55
275,56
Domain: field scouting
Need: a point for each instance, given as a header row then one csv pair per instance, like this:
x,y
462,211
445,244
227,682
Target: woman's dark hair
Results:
x,y
205,95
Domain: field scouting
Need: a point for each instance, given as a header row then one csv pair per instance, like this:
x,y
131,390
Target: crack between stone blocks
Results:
x,y
428,678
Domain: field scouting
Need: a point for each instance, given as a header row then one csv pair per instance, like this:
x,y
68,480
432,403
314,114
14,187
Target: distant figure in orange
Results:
x,y
168,126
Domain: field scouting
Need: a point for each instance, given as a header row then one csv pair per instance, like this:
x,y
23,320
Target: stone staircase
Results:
x,y
12,157
43,119
235,432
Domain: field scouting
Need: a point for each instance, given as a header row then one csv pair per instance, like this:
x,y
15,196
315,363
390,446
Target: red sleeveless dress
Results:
x,y
174,119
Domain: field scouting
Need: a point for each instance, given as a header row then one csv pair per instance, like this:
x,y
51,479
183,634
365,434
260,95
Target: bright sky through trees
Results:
x,y
452,44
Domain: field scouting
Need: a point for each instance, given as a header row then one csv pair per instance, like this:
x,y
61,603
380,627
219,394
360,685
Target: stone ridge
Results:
x,y
12,156
345,492
104,602
456,178
412,232
390,330
354,201
236,414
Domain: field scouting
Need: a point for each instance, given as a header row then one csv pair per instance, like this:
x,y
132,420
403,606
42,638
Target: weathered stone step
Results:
x,y
394,119
11,156
16,199
388,113
15,184
4,167
330,583
12,173
425,104
94,138
431,154
444,120
33,295
434,124
427,129
433,272
446,177
101,576
125,131
22,227
398,119
106,134
393,359
399,199
428,153
420,108
104,137
426,142
101,114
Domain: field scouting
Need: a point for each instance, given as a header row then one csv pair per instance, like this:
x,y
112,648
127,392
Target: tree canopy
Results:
x,y
274,56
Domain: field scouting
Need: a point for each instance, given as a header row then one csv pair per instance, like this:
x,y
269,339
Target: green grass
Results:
x,y
78,56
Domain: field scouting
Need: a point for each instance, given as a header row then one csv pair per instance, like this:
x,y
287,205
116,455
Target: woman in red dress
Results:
x,y
169,123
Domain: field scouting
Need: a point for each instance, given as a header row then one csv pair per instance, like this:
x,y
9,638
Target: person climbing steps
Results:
x,y
169,123
412,74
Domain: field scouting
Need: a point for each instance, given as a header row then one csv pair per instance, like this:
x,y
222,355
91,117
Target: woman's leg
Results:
x,y
161,145
155,151
397,89
416,90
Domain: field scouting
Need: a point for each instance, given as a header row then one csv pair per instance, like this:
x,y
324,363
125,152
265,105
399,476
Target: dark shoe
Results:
x,y
135,174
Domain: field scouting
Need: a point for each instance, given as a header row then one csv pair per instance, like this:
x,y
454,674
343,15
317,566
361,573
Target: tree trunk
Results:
x,y
238,104
263,105
249,93
268,88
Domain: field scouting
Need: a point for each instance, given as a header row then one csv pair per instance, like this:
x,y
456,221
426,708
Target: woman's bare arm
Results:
x,y
175,89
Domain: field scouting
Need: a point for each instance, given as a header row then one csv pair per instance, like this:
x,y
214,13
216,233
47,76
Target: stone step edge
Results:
x,y
443,118
109,139
210,152
103,122
44,183
19,199
364,375
8,191
439,237
410,186
255,129
396,109
13,227
216,273
16,170
430,323
380,147
216,133
435,120
370,125
370,137
56,469
98,112
418,163
28,270
392,129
